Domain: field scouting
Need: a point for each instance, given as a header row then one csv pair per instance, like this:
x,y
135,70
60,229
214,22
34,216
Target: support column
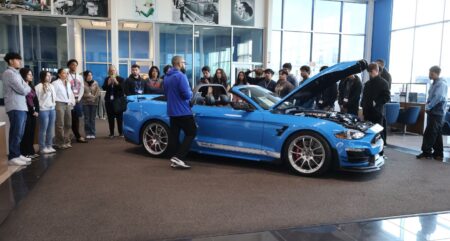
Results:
x,y
114,33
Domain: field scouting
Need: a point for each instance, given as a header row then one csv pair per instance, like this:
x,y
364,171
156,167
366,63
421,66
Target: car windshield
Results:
x,y
261,96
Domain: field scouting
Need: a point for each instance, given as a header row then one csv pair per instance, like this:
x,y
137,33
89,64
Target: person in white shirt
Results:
x,y
77,84
47,101
65,100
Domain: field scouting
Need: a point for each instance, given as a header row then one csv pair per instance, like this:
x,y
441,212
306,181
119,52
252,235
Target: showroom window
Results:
x,y
419,31
134,48
9,32
316,33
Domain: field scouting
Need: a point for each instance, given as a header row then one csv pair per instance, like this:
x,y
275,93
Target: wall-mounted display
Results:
x,y
92,8
243,12
145,8
25,5
196,11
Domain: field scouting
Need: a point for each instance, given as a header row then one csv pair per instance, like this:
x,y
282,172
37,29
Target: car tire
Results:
x,y
307,153
155,138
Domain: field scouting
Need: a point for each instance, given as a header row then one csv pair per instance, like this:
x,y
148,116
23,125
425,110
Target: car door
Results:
x,y
227,130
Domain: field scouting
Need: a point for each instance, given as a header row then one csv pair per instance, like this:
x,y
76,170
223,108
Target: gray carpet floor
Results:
x,y
111,190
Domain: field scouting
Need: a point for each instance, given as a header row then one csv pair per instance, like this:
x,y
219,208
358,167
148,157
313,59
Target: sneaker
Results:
x,y
61,147
35,156
68,145
179,162
423,156
18,162
23,158
92,137
111,136
51,149
45,151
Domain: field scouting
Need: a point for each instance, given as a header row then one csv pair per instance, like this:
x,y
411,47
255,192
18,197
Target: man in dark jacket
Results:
x,y
258,76
268,83
349,94
135,84
375,95
206,78
291,78
326,98
179,94
383,72
435,108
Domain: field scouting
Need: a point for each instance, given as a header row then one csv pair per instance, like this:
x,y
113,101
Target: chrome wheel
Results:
x,y
155,138
306,154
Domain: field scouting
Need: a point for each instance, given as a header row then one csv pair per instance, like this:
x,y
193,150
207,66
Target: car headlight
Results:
x,y
350,135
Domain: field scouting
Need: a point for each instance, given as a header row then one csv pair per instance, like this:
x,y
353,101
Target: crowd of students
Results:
x,y
57,105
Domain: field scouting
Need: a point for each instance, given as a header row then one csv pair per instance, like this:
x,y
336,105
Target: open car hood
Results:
x,y
324,79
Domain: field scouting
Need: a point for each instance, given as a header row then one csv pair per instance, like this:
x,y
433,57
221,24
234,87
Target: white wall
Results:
x,y
126,11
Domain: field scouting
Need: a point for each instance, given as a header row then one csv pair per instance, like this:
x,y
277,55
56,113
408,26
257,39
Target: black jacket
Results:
x,y
251,80
376,93
270,85
115,90
350,90
133,85
385,75
327,97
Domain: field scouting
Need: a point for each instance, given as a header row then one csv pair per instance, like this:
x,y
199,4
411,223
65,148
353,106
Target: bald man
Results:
x,y
179,94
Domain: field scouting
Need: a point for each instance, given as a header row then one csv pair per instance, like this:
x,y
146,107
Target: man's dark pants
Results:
x,y
187,124
432,137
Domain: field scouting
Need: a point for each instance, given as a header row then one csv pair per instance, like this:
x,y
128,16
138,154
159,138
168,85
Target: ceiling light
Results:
x,y
130,25
98,24
64,25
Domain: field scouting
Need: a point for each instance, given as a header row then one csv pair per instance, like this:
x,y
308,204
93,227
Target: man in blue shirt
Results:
x,y
435,109
179,94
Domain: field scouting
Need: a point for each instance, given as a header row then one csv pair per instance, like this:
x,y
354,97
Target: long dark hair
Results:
x,y
86,73
24,72
42,79
244,81
150,72
223,80
60,71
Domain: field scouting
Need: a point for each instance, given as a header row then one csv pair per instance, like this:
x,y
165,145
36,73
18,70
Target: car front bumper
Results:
x,y
374,164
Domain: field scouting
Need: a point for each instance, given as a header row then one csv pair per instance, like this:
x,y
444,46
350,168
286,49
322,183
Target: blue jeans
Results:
x,y
89,119
46,128
17,120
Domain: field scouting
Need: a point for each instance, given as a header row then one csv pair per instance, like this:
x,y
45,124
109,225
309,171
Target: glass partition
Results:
x,y
248,45
175,39
297,15
9,42
401,55
404,14
212,48
44,43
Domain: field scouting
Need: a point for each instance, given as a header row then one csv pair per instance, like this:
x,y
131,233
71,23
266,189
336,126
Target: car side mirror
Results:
x,y
242,106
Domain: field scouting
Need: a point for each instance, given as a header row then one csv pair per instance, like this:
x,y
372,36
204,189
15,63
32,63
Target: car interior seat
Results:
x,y
209,100
223,100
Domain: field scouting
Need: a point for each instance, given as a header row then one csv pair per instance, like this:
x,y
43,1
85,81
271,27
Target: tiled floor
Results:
x,y
421,227
416,227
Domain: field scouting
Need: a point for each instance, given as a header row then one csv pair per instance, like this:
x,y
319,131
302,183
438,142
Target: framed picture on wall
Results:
x,y
243,12
26,6
145,9
195,11
91,8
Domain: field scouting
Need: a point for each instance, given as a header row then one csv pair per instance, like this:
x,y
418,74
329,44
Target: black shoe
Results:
x,y
438,158
424,156
111,136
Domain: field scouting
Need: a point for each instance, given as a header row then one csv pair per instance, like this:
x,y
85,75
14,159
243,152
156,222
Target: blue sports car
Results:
x,y
251,123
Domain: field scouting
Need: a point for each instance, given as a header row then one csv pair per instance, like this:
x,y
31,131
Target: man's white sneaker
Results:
x,y
179,163
25,158
51,149
45,151
17,162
